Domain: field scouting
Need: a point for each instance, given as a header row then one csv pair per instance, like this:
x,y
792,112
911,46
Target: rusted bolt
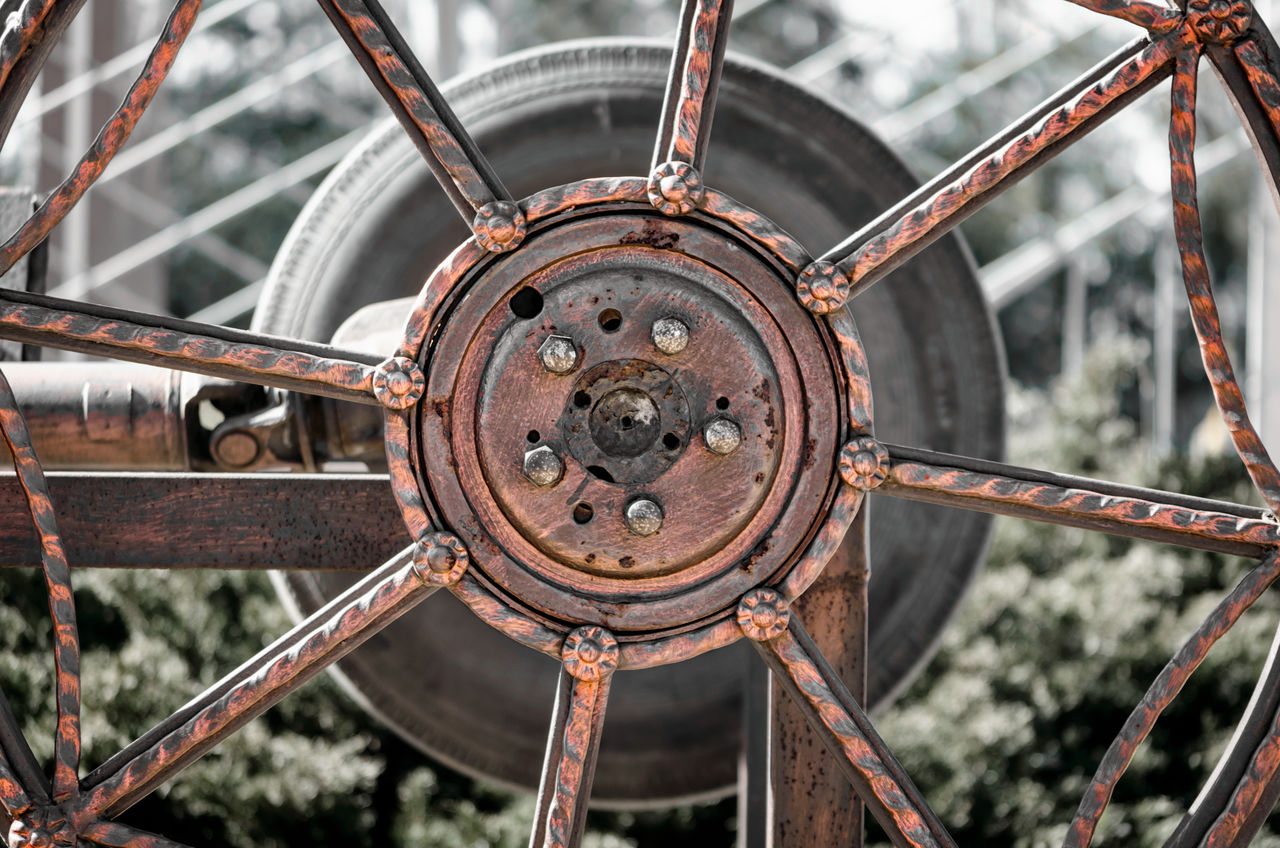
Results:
x,y
644,517
499,226
590,653
822,288
236,449
440,559
675,188
558,354
722,436
398,382
864,463
763,614
670,335
542,466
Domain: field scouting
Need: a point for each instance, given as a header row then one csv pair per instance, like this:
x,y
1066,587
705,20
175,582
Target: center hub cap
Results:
x,y
630,421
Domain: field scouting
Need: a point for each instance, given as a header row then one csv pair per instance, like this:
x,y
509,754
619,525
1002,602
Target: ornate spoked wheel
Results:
x,y
629,421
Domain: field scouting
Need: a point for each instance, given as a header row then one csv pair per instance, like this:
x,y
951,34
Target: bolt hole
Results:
x,y
671,441
581,400
627,422
599,473
610,320
526,303
582,513
533,437
722,403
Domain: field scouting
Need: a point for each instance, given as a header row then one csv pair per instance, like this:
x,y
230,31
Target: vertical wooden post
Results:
x,y
813,803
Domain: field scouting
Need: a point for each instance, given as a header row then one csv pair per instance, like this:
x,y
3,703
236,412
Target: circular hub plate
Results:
x,y
626,420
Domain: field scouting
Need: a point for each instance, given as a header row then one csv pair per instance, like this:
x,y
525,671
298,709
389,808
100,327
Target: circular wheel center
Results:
x,y
625,422
631,407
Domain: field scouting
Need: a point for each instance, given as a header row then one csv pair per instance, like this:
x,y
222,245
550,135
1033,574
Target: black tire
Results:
x,y
379,225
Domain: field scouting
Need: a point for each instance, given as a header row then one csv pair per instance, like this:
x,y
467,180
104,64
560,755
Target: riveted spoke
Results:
x,y
57,575
1195,275
800,669
1161,693
904,230
12,796
448,150
188,346
590,656
118,835
1131,511
324,637
115,132
1147,15
691,86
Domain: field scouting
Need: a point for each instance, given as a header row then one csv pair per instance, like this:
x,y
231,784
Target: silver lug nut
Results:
x,y
722,436
558,354
644,517
670,335
543,467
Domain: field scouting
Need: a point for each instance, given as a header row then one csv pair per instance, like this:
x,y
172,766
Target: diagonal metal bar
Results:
x,y
590,656
920,219
26,67
200,348
800,669
19,31
1161,693
1131,511
692,84
449,151
12,796
116,835
1147,15
250,690
57,575
17,753
1195,275
115,132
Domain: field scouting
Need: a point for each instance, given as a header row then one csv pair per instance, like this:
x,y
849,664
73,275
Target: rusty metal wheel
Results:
x,y
628,419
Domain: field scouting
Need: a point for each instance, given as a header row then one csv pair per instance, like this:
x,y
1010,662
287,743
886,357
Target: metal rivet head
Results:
x,y
822,288
440,559
590,653
644,517
763,614
499,226
722,436
398,382
670,335
864,463
675,188
543,466
237,449
558,354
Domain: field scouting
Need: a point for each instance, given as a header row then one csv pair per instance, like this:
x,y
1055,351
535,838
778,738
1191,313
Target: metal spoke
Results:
x,y
311,646
264,521
12,796
57,575
691,87
115,132
1195,275
878,778
589,657
1161,693
1147,15
18,33
118,835
45,33
917,221
1079,502
188,346
459,166
13,745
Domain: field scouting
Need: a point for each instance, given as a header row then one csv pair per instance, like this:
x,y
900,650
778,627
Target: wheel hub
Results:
x,y
638,419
